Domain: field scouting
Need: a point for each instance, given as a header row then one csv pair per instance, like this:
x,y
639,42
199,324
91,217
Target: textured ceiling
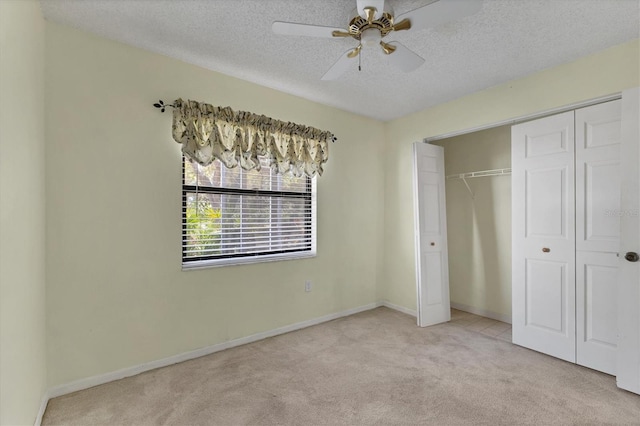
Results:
x,y
507,39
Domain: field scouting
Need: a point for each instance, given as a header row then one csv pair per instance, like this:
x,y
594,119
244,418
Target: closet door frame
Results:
x,y
628,354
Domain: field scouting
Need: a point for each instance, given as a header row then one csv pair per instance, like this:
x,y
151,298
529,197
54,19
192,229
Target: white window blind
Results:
x,y
239,216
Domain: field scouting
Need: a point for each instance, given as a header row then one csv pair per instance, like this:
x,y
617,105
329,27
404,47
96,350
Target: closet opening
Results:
x,y
478,208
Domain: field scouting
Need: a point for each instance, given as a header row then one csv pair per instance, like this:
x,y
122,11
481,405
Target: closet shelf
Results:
x,y
481,173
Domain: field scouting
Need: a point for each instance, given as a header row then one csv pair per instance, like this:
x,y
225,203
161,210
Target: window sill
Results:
x,y
216,263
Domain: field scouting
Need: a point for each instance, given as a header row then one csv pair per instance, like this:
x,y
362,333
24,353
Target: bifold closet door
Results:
x,y
543,220
432,263
598,138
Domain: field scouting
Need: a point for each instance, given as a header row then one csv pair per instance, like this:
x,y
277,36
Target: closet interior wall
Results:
x,y
479,227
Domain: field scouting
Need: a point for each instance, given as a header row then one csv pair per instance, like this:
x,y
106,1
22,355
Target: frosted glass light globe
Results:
x,y
370,37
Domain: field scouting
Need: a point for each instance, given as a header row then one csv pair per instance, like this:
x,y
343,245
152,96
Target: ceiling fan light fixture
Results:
x,y
370,37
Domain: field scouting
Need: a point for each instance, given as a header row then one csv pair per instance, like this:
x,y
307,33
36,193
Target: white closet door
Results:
x,y
598,137
432,264
544,235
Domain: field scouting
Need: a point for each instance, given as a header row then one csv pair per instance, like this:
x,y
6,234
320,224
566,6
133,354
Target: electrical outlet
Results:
x,y
307,286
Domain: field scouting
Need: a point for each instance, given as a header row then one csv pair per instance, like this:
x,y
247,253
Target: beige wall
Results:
x,y
22,212
479,227
116,294
593,76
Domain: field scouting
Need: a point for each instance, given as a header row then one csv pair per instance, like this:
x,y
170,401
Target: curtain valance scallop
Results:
x,y
207,132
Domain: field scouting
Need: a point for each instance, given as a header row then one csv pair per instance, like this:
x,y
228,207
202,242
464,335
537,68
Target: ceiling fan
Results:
x,y
374,22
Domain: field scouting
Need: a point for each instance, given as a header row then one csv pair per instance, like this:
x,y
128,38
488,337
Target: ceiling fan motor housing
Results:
x,y
359,25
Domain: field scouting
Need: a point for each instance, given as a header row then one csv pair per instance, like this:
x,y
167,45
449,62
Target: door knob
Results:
x,y
632,256
546,250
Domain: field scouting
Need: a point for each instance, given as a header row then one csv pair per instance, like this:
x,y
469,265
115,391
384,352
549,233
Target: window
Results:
x,y
232,216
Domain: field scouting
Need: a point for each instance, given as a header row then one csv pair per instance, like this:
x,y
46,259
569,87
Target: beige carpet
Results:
x,y
376,367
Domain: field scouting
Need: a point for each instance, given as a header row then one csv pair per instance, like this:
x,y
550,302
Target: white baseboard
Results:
x,y
43,408
399,308
482,312
100,379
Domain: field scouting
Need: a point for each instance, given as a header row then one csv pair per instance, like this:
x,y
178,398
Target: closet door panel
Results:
x,y
546,203
597,315
546,296
433,270
600,205
544,235
598,136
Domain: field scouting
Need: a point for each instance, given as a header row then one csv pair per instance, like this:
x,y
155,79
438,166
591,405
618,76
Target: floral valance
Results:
x,y
207,132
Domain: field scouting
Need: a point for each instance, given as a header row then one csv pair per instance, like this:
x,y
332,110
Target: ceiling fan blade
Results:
x,y
293,29
341,66
403,58
378,4
440,12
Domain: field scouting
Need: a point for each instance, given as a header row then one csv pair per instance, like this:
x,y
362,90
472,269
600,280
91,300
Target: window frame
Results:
x,y
244,258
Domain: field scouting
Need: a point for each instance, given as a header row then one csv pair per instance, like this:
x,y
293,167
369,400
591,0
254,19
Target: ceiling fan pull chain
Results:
x,y
359,61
